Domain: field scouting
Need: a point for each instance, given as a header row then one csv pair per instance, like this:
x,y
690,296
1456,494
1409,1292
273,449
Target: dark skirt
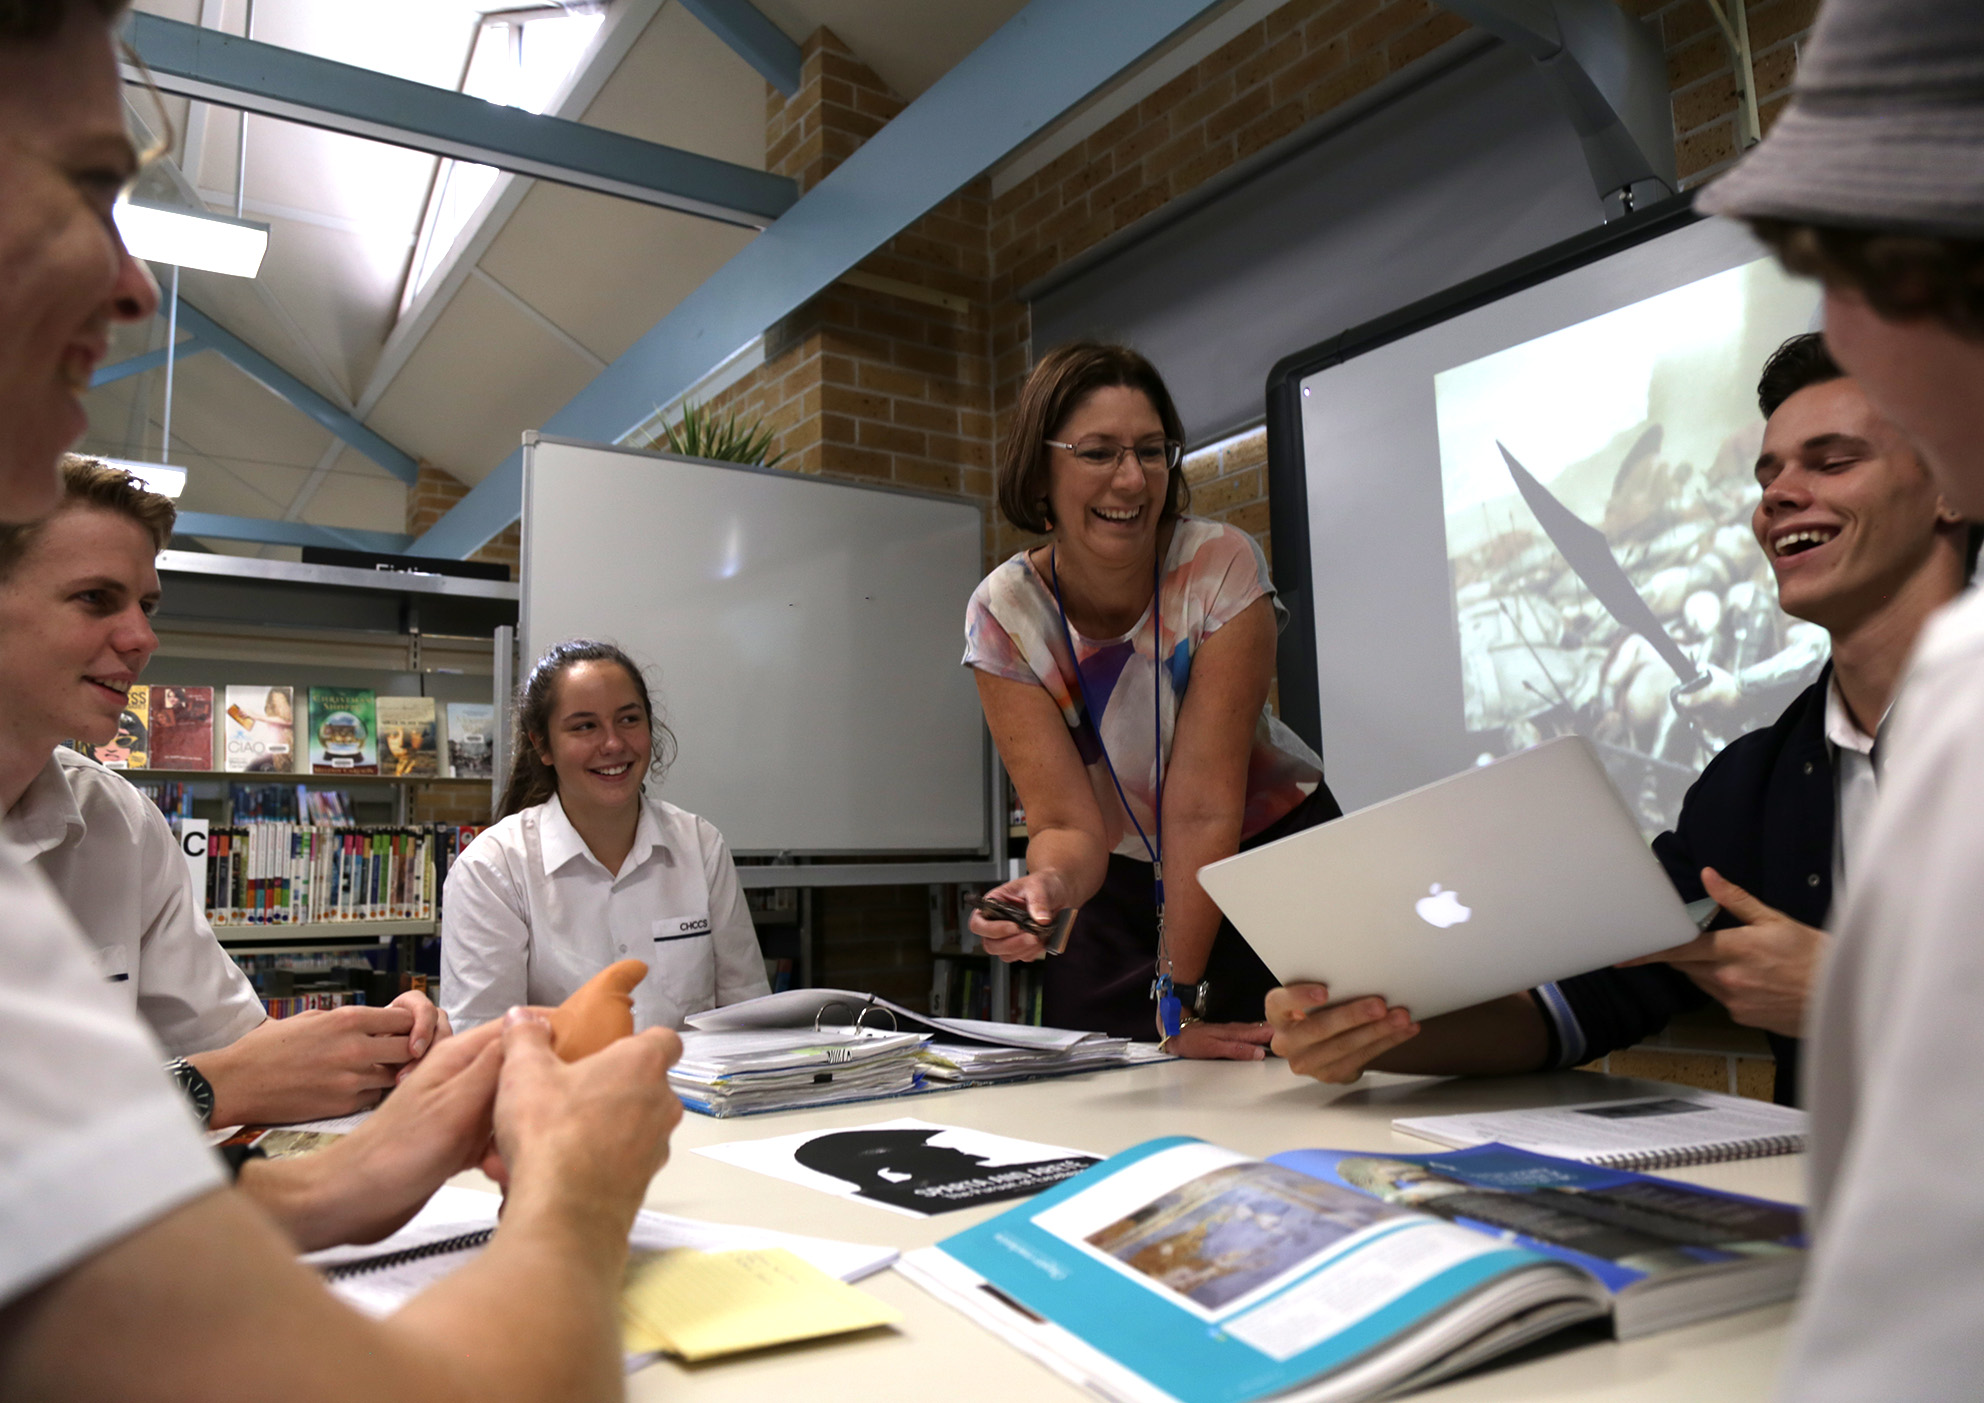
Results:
x,y
1103,981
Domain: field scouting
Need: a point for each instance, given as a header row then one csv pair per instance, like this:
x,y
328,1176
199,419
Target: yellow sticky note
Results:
x,y
700,1305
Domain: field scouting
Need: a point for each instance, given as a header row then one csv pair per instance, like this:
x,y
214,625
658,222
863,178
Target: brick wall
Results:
x,y
433,492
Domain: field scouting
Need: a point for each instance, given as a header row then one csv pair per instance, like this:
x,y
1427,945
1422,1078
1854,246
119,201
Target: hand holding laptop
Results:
x,y
1762,970
1333,1042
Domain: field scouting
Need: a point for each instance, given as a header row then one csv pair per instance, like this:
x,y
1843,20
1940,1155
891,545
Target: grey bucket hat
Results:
x,y
1885,129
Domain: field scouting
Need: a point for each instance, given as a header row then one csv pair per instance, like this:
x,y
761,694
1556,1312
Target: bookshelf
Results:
x,y
227,620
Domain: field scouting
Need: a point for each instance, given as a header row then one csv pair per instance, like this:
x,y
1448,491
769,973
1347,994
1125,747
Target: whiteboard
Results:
x,y
802,637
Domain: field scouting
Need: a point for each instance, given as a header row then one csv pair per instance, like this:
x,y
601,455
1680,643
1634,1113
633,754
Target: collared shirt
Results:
x,y
1855,786
529,914
95,1141
1896,1064
111,857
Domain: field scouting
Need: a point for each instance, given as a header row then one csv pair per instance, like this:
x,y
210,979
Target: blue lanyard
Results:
x,y
1170,1009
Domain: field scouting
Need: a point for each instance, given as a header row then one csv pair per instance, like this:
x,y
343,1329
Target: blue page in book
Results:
x,y
1221,1278
1619,1226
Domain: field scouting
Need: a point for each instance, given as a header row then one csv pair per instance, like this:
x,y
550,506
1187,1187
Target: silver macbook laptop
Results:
x,y
1503,877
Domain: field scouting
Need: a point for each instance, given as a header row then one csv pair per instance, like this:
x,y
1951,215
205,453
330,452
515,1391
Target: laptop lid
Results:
x,y
1500,878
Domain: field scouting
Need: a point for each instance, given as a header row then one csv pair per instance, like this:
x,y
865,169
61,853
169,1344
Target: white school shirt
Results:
x,y
95,1141
1895,1066
111,857
529,914
1854,788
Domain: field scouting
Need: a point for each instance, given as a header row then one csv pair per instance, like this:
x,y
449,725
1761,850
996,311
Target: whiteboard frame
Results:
x,y
810,868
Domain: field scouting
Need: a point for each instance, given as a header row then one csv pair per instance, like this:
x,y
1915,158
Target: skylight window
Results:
x,y
519,58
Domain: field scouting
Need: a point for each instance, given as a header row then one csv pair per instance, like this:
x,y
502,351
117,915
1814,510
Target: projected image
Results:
x,y
1598,486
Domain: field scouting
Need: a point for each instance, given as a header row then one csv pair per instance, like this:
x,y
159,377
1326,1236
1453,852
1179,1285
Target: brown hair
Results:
x,y
532,782
1902,276
1065,377
27,21
93,483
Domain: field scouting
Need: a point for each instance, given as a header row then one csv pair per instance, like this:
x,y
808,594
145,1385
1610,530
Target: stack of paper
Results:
x,y
961,1051
764,1282
736,1073
701,1305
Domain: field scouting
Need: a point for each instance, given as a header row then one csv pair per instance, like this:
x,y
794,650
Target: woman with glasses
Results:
x,y
1123,665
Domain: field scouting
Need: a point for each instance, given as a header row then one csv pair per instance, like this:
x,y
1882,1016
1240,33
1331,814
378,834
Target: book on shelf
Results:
x,y
471,740
343,731
406,737
182,725
130,748
1640,1132
281,873
259,731
1178,1270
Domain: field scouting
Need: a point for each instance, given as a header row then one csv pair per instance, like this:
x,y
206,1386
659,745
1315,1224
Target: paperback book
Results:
x,y
1178,1270
260,729
344,731
182,726
471,740
406,736
130,748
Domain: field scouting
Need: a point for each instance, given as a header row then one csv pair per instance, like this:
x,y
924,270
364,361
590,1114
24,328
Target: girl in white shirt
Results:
x,y
584,867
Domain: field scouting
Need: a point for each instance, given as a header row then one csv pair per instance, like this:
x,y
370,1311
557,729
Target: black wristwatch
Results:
x,y
196,1088
1195,996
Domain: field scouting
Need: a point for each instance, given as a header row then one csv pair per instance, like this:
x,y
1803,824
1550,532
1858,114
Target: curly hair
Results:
x,y
91,483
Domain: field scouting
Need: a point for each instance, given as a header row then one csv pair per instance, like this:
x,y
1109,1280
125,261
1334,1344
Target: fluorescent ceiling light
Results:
x,y
157,477
192,239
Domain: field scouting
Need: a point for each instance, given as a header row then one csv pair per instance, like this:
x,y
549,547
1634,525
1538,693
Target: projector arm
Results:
x,y
1609,72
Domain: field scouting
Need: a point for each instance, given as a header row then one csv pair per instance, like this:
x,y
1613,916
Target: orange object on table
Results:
x,y
599,1013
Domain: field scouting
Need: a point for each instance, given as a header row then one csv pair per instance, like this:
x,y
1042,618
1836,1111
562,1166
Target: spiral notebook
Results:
x,y
1643,1132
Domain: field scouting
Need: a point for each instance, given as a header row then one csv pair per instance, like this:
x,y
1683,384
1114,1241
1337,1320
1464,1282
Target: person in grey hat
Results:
x,y
1873,181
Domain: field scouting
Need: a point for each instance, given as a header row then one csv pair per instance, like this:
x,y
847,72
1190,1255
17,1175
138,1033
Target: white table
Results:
x,y
1256,1108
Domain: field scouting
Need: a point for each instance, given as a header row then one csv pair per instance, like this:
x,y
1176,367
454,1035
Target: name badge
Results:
x,y
682,927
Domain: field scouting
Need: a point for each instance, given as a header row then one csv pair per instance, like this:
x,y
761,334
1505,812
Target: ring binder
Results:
x,y
384,1261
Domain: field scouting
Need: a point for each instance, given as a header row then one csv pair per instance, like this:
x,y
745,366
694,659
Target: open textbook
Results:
x,y
1181,1271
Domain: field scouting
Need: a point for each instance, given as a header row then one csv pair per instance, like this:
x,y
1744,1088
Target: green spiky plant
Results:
x,y
700,433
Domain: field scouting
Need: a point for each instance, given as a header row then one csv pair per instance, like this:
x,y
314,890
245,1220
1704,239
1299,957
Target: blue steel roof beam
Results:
x,y
139,364
1038,65
753,38
287,533
210,66
213,336
1610,74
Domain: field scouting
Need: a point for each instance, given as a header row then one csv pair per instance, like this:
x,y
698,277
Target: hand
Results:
x,y
1333,1042
309,1066
1235,1042
368,1183
1762,971
1042,893
591,1133
430,1025
1720,695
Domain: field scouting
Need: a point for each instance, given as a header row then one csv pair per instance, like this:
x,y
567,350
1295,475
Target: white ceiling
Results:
x,y
545,286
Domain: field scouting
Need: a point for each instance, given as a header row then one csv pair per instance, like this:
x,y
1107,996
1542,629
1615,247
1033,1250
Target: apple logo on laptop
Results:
x,y
1442,908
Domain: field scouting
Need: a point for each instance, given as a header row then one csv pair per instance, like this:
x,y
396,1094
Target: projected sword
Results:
x,y
1591,556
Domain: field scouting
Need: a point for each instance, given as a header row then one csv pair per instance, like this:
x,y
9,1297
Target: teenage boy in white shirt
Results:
x,y
76,592
1873,180
114,1221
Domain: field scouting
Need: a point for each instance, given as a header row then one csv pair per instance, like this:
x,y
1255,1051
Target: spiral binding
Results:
x,y
1756,1147
461,1242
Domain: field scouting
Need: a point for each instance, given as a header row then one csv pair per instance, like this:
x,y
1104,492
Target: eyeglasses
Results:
x,y
1100,455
